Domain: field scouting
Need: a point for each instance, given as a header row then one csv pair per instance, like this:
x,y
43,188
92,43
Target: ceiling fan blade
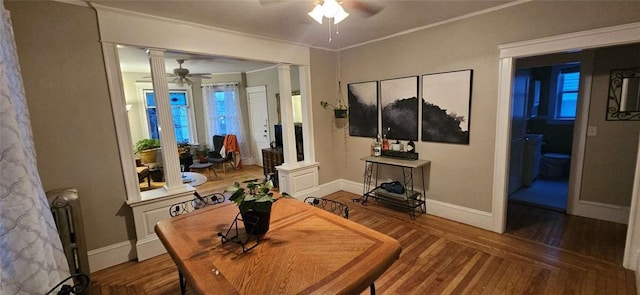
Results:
x,y
367,8
168,75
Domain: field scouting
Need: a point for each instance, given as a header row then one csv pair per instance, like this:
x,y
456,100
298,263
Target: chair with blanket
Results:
x,y
216,157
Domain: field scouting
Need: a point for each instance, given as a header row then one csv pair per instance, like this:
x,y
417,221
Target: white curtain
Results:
x,y
31,257
223,113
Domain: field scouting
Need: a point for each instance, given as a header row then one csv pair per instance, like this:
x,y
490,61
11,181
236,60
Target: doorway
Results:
x,y
544,110
257,97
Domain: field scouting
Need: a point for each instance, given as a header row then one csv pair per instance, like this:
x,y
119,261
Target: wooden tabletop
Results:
x,y
307,250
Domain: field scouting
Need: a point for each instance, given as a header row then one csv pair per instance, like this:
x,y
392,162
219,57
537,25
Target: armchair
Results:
x,y
215,156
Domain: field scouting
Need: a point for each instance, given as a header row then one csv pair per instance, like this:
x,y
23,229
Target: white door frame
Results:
x,y
257,153
617,35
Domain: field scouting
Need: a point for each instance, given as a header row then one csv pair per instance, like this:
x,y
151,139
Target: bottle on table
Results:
x,y
385,143
377,149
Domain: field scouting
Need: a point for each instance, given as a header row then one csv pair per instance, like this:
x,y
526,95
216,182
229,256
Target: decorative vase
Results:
x,y
340,113
256,223
148,156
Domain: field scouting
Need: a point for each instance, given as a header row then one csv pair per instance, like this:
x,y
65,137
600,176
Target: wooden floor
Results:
x,y
591,237
218,184
438,257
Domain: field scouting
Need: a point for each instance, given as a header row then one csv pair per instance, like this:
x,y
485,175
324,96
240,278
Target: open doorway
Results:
x,y
544,109
550,102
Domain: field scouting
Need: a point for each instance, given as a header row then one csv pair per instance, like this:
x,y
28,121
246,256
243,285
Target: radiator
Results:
x,y
67,214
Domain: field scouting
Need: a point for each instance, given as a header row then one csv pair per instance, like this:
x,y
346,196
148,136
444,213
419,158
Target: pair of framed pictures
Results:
x,y
445,105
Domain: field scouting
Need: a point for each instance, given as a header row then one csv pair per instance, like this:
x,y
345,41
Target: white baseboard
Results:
x,y
613,213
460,214
111,255
453,212
122,252
149,247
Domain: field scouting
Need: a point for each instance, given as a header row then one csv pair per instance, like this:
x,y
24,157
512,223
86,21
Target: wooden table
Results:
x,y
307,250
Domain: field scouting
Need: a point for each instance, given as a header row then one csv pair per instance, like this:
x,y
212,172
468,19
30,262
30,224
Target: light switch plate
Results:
x,y
592,130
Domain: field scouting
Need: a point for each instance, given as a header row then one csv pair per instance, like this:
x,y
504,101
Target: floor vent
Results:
x,y
65,207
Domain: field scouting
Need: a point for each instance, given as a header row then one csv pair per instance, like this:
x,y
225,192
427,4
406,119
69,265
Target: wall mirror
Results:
x,y
624,95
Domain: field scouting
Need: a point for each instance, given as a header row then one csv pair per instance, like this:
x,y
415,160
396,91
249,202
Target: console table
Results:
x,y
412,198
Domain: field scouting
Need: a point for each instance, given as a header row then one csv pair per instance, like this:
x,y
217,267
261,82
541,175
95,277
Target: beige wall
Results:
x,y
73,128
66,87
462,174
329,135
610,157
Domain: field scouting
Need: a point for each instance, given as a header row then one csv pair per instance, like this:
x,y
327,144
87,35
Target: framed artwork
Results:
x,y
363,108
399,106
446,104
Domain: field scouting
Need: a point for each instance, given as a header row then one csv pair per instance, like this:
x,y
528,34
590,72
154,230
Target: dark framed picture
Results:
x,y
399,108
363,108
446,105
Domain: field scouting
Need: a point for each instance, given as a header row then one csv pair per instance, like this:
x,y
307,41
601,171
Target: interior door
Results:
x,y
518,128
259,118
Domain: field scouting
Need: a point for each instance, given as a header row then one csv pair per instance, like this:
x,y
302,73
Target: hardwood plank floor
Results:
x,y
218,184
590,237
439,256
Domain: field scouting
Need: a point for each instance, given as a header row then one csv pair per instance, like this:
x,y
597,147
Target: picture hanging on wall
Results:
x,y
446,104
363,109
399,105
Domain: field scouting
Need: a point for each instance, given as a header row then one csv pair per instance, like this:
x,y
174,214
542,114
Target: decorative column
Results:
x,y
172,173
298,179
307,114
286,114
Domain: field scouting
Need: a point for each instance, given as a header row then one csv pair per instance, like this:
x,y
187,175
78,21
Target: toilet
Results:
x,y
554,165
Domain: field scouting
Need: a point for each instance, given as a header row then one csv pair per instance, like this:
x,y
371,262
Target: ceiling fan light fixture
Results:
x,y
330,8
340,15
317,13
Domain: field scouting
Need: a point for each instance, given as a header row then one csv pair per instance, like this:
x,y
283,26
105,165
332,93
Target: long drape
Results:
x,y
223,113
31,257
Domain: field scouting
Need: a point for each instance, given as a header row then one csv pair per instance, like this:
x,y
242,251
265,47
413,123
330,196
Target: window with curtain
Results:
x,y
178,99
223,114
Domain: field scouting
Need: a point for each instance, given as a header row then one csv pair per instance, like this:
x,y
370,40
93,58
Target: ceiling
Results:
x,y
288,20
135,60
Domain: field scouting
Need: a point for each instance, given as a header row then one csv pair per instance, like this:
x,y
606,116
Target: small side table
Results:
x,y
203,166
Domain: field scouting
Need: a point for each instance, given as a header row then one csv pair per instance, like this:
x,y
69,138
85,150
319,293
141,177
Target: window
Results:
x,y
566,95
178,99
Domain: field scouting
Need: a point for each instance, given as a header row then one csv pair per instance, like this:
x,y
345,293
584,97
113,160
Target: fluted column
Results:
x,y
172,173
286,113
307,114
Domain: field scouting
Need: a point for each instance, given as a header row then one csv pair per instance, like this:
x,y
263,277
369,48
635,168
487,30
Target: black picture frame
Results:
x,y
363,108
399,108
446,106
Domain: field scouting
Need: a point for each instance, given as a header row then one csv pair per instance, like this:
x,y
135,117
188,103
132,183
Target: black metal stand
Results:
x,y
410,200
80,285
248,220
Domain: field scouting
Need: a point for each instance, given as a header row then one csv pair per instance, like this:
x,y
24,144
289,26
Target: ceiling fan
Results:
x,y
365,8
180,75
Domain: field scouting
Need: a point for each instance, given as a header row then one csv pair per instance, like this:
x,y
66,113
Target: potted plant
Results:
x,y
147,148
339,110
254,202
202,152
